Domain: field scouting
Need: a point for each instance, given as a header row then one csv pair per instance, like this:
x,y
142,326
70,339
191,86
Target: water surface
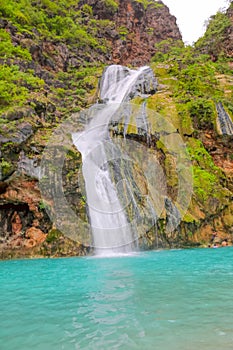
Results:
x,y
165,300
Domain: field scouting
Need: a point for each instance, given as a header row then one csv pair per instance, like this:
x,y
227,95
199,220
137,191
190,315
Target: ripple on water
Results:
x,y
176,300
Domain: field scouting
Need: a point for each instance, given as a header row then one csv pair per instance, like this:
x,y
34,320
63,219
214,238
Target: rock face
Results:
x,y
54,74
228,43
26,230
144,28
123,31
218,38
137,28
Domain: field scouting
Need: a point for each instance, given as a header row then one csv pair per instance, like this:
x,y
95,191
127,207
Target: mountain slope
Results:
x,y
218,37
52,55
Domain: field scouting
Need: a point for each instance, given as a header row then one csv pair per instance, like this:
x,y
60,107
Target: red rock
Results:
x,y
145,28
16,223
35,235
136,29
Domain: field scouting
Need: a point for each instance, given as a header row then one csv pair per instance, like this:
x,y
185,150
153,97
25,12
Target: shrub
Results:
x,y
8,50
202,112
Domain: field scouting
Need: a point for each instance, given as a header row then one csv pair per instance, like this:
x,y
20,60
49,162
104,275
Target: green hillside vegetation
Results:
x,y
154,3
51,57
213,40
191,87
193,79
34,22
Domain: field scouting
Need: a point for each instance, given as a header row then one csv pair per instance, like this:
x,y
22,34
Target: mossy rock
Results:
x,y
53,236
6,169
171,171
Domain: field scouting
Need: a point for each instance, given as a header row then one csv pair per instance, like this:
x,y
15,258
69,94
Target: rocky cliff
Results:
x,y
52,56
218,37
228,42
136,26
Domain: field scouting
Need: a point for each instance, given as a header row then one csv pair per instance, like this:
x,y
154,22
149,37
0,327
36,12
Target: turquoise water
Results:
x,y
166,300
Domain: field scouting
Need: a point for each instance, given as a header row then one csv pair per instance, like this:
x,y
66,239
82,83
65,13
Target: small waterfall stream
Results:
x,y
111,230
224,122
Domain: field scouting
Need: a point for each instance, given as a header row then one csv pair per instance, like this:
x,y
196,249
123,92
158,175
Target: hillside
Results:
x,y
52,55
218,37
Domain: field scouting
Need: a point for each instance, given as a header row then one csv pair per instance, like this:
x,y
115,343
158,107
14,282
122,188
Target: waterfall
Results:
x,y
224,122
111,229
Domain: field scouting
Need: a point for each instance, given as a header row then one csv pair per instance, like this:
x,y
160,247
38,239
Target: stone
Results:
x,y
19,114
16,223
35,236
144,27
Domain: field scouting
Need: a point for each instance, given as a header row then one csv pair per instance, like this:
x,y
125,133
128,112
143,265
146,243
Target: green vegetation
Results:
x,y
200,157
15,86
10,51
193,80
51,56
5,167
202,111
123,31
43,205
110,5
212,41
204,184
42,26
207,176
192,84
154,3
60,21
53,236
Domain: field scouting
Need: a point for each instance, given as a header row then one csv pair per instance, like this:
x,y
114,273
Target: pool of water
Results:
x,y
165,300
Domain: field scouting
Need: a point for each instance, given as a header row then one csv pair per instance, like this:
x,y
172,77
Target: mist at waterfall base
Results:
x,y
166,300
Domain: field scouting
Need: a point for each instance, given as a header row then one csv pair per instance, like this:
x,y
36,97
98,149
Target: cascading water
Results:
x,y
224,122
112,233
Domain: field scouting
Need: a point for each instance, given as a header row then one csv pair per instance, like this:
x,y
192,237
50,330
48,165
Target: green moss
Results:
x,y
8,50
163,104
200,157
5,168
207,186
15,85
111,5
123,32
204,183
43,205
213,38
189,218
53,236
154,3
171,171
87,10
160,146
185,120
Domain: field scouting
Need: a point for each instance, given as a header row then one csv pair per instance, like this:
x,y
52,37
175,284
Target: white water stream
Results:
x,y
112,233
